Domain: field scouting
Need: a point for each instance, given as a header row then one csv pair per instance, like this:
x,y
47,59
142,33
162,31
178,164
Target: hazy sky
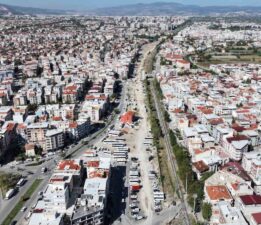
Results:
x,y
89,4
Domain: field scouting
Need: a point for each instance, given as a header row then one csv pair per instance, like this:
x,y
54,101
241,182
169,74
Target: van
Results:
x,y
28,216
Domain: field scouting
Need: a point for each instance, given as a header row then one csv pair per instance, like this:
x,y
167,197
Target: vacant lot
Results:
x,y
231,56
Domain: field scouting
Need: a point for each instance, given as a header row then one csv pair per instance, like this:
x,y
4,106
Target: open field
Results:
x,y
231,56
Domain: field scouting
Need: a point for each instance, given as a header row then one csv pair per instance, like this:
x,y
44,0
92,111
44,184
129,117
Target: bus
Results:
x,y
119,157
158,198
120,139
120,152
147,143
148,138
115,133
118,145
124,160
21,182
135,180
109,141
124,148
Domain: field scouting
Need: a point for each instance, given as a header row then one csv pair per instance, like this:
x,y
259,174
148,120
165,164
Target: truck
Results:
x,y
9,194
21,182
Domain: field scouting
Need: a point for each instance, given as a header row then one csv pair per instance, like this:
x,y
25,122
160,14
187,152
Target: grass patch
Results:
x,y
21,202
167,182
8,181
33,187
36,163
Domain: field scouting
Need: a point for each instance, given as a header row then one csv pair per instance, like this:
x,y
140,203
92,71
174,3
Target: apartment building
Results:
x,y
54,139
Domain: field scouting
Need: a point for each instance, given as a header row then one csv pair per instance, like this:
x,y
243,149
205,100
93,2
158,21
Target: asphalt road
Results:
x,y
7,205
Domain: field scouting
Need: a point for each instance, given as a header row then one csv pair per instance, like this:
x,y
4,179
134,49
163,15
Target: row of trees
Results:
x,y
194,187
154,122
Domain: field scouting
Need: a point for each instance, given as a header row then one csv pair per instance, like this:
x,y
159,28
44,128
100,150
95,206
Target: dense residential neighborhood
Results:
x,y
130,120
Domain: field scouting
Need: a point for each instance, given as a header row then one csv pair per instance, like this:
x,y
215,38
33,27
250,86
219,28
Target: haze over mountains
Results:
x,y
152,9
165,8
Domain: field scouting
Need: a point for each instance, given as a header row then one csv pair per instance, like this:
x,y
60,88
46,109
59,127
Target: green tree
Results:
x,y
32,107
206,211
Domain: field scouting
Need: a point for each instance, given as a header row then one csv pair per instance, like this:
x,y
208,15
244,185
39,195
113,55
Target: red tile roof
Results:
x,y
201,166
182,61
128,117
216,121
29,146
92,97
236,169
10,126
70,164
237,138
95,163
218,192
73,125
257,217
57,118
2,94
251,199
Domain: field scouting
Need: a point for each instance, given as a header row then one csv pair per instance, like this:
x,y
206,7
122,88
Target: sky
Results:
x,y
90,4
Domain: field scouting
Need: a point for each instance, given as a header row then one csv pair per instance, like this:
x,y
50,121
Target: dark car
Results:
x,y
13,222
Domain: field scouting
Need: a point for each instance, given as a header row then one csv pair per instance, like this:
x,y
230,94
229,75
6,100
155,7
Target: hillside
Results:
x,y
17,10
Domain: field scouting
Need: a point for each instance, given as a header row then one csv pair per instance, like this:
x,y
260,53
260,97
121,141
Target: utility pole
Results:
x,y
186,183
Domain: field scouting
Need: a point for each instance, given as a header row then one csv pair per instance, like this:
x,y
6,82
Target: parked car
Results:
x,y
139,217
23,209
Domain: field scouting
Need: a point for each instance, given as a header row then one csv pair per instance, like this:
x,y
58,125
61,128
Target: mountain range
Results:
x,y
165,8
153,9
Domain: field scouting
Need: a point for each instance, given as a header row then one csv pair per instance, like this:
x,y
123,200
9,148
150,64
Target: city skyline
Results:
x,y
91,4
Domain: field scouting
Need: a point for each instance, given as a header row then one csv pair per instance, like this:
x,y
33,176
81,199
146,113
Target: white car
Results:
x,y
23,209
139,217
135,210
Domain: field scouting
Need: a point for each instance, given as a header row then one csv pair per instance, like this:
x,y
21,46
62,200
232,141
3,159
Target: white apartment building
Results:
x,y
54,139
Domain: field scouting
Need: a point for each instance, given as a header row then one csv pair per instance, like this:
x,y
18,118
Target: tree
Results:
x,y
32,107
39,71
51,67
38,150
167,117
62,78
117,111
116,76
206,211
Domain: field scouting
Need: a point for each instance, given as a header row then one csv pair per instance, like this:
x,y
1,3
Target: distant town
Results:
x,y
130,120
